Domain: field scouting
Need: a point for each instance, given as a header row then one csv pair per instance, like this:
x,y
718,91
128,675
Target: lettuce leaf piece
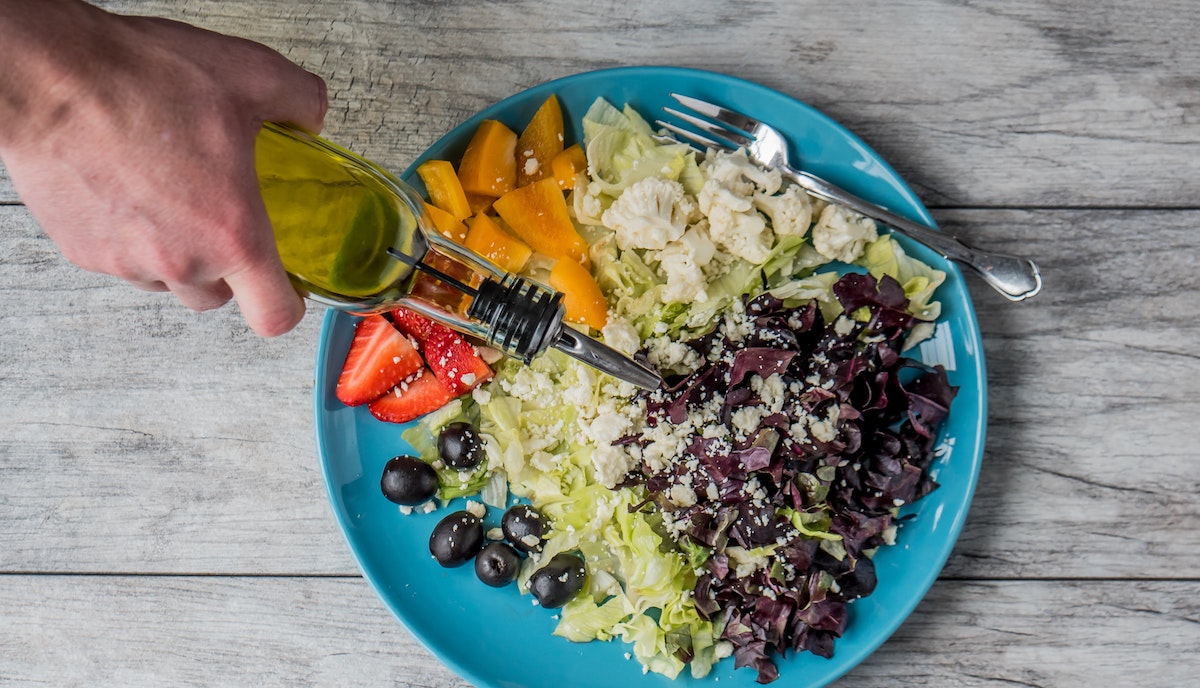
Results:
x,y
621,150
884,256
584,620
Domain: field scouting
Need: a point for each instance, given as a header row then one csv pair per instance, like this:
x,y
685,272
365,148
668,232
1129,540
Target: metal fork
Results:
x,y
1015,277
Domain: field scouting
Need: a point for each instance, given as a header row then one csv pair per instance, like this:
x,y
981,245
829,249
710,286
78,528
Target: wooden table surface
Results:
x,y
162,515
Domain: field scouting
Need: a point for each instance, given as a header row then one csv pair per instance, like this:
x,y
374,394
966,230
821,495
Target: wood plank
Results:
x,y
1090,465
980,104
204,631
168,630
138,436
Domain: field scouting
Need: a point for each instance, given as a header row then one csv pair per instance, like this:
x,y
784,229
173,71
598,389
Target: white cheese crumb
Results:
x,y
682,495
621,335
481,395
843,325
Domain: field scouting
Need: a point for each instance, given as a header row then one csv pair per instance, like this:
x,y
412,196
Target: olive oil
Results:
x,y
354,237
335,216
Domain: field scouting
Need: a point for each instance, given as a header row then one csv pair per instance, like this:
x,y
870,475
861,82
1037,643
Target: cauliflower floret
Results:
x,y
791,212
841,234
683,261
727,199
736,172
650,214
742,233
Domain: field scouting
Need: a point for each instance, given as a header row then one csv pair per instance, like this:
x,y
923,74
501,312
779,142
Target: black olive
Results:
x,y
524,527
459,446
557,582
408,480
498,564
456,538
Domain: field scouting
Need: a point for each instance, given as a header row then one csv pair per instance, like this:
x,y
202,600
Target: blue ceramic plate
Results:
x,y
496,637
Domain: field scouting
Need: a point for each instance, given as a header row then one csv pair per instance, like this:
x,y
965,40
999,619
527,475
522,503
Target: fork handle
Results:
x,y
1015,277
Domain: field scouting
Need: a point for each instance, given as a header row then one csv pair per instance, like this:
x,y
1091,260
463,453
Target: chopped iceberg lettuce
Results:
x,y
555,431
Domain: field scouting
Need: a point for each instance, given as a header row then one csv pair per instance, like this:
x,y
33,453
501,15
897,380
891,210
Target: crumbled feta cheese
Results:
x,y
822,430
682,495
843,326
481,396
607,428
611,464
529,385
587,204
712,492
747,419
476,509
667,354
746,561
770,390
621,335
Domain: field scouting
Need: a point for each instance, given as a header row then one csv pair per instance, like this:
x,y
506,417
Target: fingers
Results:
x,y
154,285
203,297
276,88
267,299
295,96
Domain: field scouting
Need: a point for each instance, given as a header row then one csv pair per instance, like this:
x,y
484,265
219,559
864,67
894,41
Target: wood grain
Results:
x,y
186,442
163,520
218,631
976,104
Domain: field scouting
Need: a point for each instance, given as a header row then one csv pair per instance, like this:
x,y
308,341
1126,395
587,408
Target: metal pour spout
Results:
x,y
605,358
523,319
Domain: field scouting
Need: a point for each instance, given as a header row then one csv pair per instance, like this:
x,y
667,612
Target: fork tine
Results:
x,y
734,120
737,138
678,133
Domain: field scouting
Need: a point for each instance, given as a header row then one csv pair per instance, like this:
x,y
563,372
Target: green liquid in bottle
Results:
x,y
334,218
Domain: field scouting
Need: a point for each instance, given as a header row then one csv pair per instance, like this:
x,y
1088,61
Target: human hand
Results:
x,y
131,141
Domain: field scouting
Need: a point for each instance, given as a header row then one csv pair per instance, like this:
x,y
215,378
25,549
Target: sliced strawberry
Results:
x,y
380,357
411,399
413,324
455,361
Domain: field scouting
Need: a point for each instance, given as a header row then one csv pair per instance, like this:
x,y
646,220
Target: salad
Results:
x,y
735,511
